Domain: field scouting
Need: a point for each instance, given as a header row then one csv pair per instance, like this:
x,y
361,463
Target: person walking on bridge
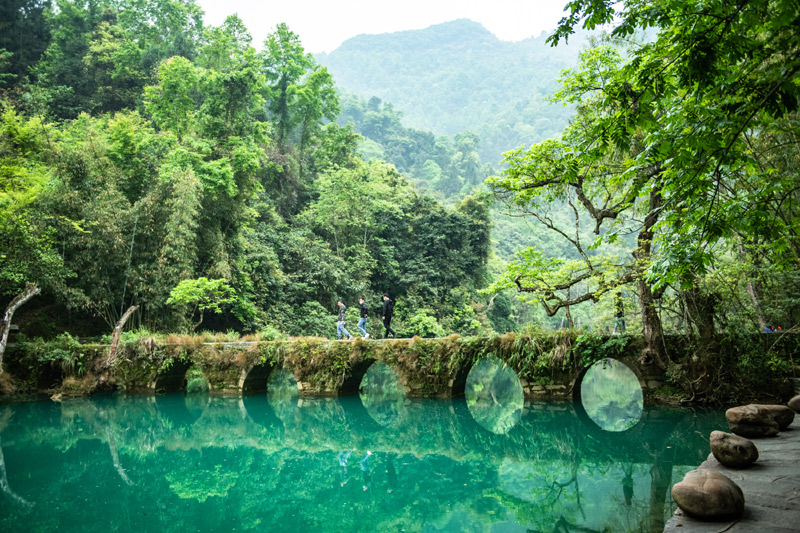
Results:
x,y
340,330
362,322
386,316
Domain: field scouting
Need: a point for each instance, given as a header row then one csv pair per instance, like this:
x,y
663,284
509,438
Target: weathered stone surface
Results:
x,y
794,403
707,494
781,414
751,421
732,450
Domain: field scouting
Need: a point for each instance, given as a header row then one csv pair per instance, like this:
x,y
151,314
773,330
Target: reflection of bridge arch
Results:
x,y
179,409
494,394
357,417
256,408
607,429
575,384
382,394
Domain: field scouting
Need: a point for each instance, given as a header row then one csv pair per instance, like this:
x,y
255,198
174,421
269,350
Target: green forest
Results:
x,y
223,184
148,160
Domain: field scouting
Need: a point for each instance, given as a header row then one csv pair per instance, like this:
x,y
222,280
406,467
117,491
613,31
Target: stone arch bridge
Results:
x,y
434,368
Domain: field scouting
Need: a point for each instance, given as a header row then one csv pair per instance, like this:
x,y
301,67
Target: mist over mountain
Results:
x,y
457,76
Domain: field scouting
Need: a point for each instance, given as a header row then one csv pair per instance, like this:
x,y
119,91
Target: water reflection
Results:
x,y
612,396
197,390
282,392
150,466
282,386
382,395
494,395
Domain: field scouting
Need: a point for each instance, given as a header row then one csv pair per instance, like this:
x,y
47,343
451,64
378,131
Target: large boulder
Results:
x,y
783,415
752,421
732,450
794,403
707,494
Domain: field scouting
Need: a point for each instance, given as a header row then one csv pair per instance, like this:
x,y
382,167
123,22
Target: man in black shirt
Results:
x,y
386,316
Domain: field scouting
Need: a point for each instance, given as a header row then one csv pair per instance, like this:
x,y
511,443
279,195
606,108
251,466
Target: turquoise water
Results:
x,y
198,463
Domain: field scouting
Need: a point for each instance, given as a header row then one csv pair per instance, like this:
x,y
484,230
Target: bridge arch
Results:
x,y
352,379
172,376
609,395
253,379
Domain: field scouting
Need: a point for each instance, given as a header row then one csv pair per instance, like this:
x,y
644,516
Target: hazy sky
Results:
x,y
324,24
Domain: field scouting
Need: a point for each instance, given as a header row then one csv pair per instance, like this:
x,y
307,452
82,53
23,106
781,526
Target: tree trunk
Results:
x,y
651,327
756,297
112,350
651,323
197,324
754,289
700,308
30,291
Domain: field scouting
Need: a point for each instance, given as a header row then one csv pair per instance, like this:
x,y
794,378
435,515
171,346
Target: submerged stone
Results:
x,y
733,451
751,421
707,494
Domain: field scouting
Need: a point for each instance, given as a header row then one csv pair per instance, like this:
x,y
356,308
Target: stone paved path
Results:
x,y
771,489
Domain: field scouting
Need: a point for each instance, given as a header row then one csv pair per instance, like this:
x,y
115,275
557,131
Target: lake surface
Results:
x,y
373,462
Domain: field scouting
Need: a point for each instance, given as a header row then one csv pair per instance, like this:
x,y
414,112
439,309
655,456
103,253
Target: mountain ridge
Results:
x,y
458,76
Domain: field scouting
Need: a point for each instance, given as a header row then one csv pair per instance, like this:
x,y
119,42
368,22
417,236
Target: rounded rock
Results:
x,y
733,451
752,421
783,415
794,403
707,494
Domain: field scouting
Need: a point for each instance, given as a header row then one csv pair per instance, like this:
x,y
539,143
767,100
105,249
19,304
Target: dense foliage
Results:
x,y
685,145
448,166
144,156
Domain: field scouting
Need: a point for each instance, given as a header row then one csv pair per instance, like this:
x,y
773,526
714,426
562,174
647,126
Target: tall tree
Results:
x,y
721,72
285,63
24,34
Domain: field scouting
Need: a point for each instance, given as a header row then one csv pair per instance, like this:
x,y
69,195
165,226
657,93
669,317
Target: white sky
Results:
x,y
324,24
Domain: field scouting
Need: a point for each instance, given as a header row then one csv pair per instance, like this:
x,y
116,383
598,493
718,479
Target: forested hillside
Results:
x,y
457,77
148,160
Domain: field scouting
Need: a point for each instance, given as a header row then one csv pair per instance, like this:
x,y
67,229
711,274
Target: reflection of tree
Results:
x,y
660,481
5,487
283,393
112,447
191,482
547,471
282,385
